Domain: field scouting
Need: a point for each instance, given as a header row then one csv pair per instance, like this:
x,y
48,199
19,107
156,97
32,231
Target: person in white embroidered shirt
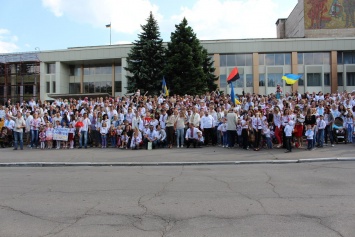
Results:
x,y
135,141
163,118
207,123
150,136
257,125
191,136
288,132
321,124
84,131
195,117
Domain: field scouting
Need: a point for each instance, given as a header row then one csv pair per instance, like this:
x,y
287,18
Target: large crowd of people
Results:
x,y
278,120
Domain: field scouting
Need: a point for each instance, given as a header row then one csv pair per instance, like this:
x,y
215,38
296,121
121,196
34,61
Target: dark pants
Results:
x,y
328,132
170,135
231,137
245,138
288,143
191,141
208,135
214,135
154,143
257,138
310,144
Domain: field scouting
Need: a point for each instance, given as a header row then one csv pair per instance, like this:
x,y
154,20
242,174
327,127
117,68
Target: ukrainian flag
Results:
x,y
164,88
291,78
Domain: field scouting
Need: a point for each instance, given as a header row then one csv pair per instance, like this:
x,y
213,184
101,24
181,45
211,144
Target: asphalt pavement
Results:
x,y
205,155
298,200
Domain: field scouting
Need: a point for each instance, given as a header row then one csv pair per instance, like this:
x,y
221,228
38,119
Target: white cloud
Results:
x,y
125,16
218,19
7,41
55,6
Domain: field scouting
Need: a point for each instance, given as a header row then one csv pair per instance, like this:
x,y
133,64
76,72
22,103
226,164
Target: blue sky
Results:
x,y
29,25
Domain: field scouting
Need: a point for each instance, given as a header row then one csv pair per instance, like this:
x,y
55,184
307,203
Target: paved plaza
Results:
x,y
170,155
310,199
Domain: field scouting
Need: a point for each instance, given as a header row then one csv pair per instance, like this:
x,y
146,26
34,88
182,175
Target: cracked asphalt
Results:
x,y
309,199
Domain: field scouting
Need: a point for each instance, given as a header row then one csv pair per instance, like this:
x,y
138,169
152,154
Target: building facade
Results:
x,y
326,64
316,41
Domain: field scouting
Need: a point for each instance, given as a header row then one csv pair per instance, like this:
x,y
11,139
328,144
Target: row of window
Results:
x,y
320,58
346,57
88,69
274,79
89,87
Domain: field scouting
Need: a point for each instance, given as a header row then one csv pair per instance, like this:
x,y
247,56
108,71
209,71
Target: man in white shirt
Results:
x,y
207,123
151,136
191,136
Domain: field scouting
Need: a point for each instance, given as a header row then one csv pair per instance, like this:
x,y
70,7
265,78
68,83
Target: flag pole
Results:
x,y
232,91
110,32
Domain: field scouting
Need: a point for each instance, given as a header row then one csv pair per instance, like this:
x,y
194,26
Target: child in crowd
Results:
x,y
42,138
267,133
103,132
200,139
49,135
309,134
71,135
288,132
136,140
113,135
124,140
223,130
119,134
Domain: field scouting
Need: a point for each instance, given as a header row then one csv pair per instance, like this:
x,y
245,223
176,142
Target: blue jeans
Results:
x,y
320,137
180,136
18,136
104,140
83,135
225,139
34,138
113,141
268,142
350,133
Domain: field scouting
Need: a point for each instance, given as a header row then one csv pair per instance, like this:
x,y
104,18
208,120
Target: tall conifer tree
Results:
x,y
188,70
145,61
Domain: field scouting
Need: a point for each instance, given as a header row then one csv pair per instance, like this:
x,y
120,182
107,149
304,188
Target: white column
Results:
x,y
123,76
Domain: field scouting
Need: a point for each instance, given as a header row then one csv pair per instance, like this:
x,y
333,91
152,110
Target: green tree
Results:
x,y
145,61
189,69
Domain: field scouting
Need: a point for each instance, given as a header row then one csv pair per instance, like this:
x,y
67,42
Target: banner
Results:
x,y
61,134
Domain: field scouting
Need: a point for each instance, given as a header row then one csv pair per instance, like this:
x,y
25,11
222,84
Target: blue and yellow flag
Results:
x,y
164,88
291,78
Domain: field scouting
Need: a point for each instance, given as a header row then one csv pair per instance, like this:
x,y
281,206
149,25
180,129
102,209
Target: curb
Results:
x,y
108,164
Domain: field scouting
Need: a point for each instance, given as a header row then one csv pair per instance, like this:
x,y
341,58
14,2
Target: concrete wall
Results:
x,y
294,26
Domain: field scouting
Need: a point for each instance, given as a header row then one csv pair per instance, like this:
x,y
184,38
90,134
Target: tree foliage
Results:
x,y
189,69
145,61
